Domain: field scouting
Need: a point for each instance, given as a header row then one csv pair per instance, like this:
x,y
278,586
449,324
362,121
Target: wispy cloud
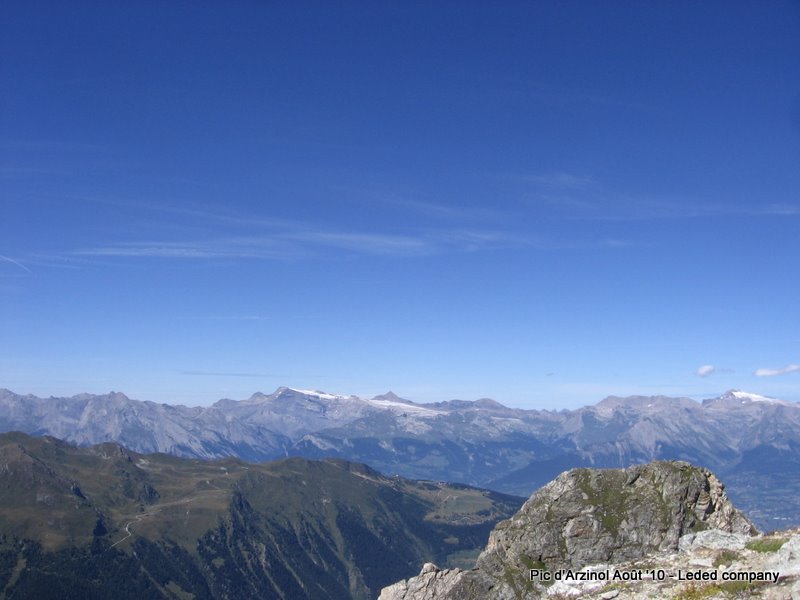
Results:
x,y
706,370
440,241
417,203
300,242
651,209
775,372
239,248
275,238
582,197
370,243
145,250
15,262
303,244
622,209
788,210
215,234
445,212
617,243
212,215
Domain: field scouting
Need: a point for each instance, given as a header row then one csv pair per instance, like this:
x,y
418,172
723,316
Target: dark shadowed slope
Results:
x,y
103,522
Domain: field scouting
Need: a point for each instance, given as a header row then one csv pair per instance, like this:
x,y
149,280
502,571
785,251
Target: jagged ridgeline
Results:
x,y
103,522
585,517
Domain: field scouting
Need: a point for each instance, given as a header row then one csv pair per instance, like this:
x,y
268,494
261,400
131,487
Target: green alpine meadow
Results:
x,y
103,522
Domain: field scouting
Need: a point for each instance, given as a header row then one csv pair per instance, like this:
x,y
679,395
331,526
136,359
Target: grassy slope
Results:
x,y
179,528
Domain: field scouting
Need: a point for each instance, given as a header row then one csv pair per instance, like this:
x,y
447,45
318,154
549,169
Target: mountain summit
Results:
x,y
741,397
586,517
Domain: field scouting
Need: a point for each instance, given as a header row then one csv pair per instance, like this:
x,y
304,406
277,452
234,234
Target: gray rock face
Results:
x,y
787,559
432,582
584,517
714,539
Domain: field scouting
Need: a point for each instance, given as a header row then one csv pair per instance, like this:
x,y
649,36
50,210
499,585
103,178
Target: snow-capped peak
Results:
x,y
318,394
746,397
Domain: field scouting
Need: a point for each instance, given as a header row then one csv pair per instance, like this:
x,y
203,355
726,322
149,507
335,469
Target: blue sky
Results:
x,y
543,203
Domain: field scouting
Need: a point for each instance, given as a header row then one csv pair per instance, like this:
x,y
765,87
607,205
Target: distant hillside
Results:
x,y
751,440
105,522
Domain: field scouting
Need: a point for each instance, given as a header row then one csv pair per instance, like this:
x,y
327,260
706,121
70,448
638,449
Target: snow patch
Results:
x,y
745,396
318,394
402,407
319,442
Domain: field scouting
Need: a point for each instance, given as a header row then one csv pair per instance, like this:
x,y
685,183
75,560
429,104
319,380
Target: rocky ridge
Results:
x,y
663,515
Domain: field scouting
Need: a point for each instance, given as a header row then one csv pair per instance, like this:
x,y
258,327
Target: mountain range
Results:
x,y
751,440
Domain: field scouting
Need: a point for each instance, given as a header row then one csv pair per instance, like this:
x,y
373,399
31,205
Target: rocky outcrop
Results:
x,y
432,582
585,517
709,566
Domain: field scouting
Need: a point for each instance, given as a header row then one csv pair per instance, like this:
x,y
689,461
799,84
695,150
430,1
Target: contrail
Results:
x,y
13,262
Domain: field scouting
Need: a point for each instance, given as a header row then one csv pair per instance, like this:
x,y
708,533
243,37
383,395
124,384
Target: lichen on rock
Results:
x,y
584,517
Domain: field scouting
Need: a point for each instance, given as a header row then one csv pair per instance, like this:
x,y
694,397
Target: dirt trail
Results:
x,y
157,509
